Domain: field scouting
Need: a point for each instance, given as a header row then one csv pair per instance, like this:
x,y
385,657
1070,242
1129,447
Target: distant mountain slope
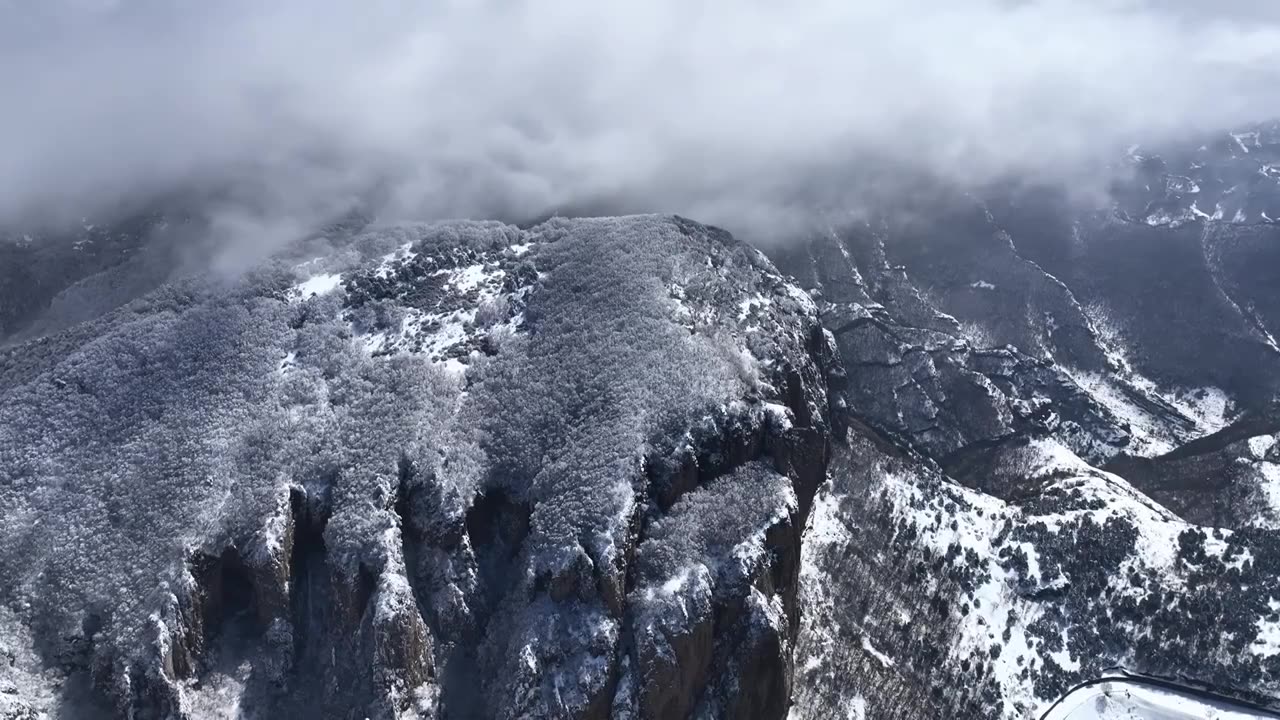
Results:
x,y
968,560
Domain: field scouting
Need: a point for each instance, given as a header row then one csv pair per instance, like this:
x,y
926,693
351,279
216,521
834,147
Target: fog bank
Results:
x,y
740,112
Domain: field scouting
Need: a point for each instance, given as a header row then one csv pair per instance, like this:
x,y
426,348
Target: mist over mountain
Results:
x,y
748,115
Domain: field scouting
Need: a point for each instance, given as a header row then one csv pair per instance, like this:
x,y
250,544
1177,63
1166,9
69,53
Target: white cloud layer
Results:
x,y
728,110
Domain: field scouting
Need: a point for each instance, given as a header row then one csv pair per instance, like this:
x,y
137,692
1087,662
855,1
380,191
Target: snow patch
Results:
x,y
1261,445
1269,487
470,277
856,709
218,695
696,576
1240,138
318,285
1217,213
750,552
825,524
1162,218
871,650
389,261
1149,435
751,305
1143,405
779,414
801,297
1064,660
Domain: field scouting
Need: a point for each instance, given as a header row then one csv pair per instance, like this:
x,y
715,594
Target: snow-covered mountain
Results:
x,y
459,470
953,460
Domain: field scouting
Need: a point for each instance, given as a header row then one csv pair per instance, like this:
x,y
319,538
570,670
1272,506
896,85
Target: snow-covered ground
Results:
x,y
1159,419
322,284
997,602
1017,609
1129,700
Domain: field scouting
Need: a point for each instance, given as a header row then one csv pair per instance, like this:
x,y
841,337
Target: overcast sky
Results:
x,y
721,109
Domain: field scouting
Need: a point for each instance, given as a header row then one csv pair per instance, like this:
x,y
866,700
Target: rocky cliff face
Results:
x,y
958,458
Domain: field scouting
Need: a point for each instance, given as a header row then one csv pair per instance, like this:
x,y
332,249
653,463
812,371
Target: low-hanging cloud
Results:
x,y
733,111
